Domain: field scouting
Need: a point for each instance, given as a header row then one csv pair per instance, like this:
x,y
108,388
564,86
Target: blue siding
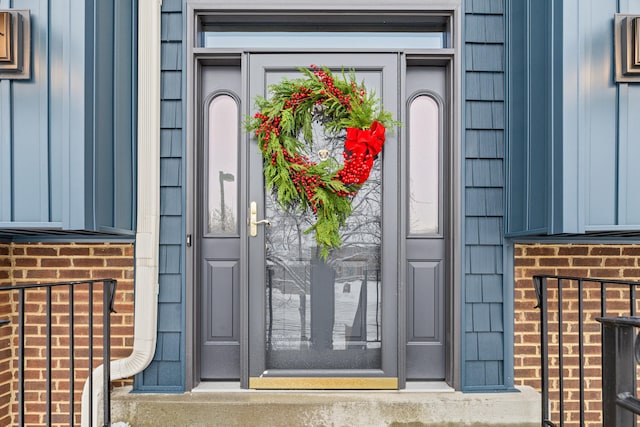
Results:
x,y
484,344
599,118
67,138
166,372
570,127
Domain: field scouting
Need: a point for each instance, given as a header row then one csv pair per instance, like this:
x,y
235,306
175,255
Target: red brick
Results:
x,y
524,262
539,250
587,262
74,251
26,262
88,262
605,273
41,251
573,272
55,262
616,262
119,262
631,273
605,250
573,250
107,251
631,250
555,261
75,274
42,274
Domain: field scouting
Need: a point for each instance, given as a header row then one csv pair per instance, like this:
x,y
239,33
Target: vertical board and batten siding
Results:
x,y
166,371
571,135
628,103
484,346
67,135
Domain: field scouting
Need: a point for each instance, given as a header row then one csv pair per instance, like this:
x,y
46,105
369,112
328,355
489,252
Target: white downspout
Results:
x,y
148,212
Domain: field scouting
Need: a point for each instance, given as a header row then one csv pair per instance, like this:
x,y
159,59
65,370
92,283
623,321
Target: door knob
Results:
x,y
253,220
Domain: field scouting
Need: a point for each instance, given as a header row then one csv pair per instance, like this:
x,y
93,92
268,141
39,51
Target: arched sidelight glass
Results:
x,y
222,166
424,166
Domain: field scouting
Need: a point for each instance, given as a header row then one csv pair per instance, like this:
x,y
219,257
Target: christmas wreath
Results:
x,y
284,129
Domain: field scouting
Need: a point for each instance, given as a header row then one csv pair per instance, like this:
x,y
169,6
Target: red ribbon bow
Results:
x,y
363,141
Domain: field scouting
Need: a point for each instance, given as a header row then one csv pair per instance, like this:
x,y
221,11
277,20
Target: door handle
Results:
x,y
253,220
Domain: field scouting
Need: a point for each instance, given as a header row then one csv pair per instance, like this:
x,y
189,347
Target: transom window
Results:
x,y
317,30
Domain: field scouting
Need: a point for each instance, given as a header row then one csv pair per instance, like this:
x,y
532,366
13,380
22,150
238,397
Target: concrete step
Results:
x,y
249,408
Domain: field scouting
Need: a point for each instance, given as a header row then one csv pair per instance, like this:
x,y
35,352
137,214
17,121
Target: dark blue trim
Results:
x,y
463,205
508,312
183,253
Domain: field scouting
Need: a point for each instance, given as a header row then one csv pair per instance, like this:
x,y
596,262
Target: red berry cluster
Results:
x,y
360,92
266,127
356,169
331,89
343,193
304,182
297,98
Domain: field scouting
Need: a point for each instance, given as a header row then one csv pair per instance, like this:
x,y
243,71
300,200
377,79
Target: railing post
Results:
x,y
618,371
540,285
21,405
108,291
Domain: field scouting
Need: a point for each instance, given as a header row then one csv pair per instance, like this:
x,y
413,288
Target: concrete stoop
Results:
x,y
327,408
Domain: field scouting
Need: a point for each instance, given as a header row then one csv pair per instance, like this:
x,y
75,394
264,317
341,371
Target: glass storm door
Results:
x,y
333,324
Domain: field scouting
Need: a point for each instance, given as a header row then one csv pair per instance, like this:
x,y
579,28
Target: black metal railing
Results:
x,y
571,343
75,350
620,351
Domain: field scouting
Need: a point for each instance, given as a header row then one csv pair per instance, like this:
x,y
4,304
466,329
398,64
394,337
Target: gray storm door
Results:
x,y
333,324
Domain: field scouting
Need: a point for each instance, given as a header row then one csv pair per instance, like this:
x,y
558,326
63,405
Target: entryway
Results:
x,y
271,312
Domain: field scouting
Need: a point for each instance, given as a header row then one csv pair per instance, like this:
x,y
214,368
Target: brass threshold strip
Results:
x,y
315,383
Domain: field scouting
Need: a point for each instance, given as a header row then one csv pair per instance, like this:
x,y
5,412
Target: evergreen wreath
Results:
x,y
345,109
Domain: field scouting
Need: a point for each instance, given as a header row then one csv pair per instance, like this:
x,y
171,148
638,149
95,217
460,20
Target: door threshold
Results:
x,y
427,387
411,387
215,386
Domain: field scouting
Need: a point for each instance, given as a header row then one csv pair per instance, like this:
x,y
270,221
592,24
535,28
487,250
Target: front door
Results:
x,y
272,312
316,323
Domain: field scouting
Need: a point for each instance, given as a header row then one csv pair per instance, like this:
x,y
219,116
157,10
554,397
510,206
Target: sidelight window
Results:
x,y
424,166
222,160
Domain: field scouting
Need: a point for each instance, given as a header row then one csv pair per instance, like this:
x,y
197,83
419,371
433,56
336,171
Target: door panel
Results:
x,y
426,242
218,237
336,318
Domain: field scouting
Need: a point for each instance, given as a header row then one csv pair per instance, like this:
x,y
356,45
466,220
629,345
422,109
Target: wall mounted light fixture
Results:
x,y
627,47
5,37
15,44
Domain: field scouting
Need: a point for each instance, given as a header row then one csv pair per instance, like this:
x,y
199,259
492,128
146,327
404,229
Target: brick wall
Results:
x,y
43,262
600,261
6,380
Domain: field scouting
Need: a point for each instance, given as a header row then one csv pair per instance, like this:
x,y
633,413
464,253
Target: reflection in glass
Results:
x,y
223,165
337,39
325,315
424,166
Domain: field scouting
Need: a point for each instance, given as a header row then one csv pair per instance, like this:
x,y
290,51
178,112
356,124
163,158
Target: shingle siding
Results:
x,y
484,180
166,371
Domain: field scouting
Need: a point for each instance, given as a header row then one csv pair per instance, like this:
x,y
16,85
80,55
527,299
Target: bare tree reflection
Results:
x,y
345,289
